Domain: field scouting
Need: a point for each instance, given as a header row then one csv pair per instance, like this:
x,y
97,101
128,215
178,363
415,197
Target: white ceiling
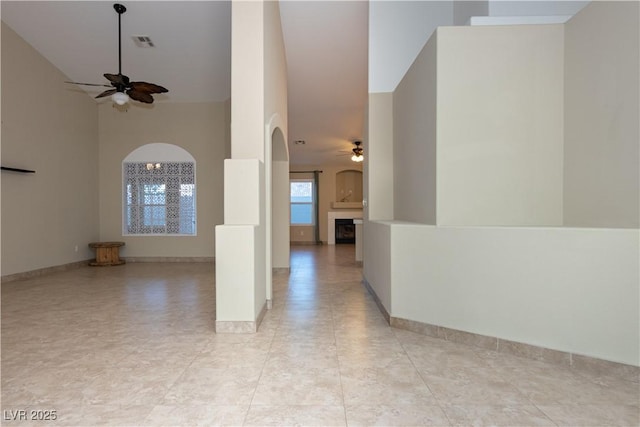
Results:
x,y
326,45
325,42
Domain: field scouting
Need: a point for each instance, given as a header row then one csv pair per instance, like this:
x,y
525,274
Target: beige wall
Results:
x,y
537,285
227,128
349,186
414,139
200,129
500,125
601,175
247,82
327,194
377,260
280,201
503,131
275,66
52,128
378,162
276,149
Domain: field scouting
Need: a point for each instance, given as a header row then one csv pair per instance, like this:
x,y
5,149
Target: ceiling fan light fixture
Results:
x,y
120,98
357,158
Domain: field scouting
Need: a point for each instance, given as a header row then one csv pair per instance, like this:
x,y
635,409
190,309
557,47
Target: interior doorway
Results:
x,y
276,203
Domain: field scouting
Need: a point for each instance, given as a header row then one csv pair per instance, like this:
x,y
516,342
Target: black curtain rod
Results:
x,y
304,171
5,168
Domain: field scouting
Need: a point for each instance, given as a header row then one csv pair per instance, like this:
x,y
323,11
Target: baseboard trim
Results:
x,y
241,326
78,264
381,306
305,243
263,312
135,259
570,360
235,327
44,271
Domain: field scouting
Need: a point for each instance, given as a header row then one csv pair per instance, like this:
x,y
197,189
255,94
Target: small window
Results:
x,y
302,202
159,198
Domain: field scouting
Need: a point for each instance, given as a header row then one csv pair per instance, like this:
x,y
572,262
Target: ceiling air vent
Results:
x,y
143,41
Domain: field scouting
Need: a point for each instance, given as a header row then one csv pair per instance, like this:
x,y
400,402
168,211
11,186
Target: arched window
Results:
x,y
159,191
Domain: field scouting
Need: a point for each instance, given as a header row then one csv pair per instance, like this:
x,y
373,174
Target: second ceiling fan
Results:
x,y
122,88
357,153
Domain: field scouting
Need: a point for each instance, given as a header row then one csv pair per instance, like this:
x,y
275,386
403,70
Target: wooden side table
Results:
x,y
107,253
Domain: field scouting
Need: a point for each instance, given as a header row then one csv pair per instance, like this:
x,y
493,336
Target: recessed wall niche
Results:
x,y
349,186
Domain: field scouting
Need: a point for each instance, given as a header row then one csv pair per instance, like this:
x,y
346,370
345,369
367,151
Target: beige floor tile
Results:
x,y
214,386
232,355
318,336
48,386
496,415
298,386
196,415
141,385
83,415
433,357
295,415
304,354
364,331
615,390
102,415
550,385
372,357
398,385
396,415
472,386
593,415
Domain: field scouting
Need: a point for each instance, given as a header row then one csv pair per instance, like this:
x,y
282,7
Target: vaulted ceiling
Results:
x,y
325,42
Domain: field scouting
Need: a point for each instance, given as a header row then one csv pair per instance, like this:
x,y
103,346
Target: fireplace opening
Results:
x,y
345,231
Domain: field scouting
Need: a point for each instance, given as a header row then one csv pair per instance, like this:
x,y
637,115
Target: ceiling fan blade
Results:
x,y
117,79
107,93
140,96
88,84
147,87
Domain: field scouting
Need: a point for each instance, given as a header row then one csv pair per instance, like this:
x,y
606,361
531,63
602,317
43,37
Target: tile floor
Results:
x,y
135,345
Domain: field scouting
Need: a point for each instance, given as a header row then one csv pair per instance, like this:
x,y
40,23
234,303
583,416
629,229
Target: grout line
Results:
x,y
423,380
264,364
545,414
344,403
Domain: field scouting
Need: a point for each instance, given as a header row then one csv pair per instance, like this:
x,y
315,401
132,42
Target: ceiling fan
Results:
x,y
356,153
121,87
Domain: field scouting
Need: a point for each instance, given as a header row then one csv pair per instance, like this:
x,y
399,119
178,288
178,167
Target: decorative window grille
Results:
x,y
159,198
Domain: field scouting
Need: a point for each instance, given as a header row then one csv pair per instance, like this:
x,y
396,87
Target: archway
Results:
x,y
276,201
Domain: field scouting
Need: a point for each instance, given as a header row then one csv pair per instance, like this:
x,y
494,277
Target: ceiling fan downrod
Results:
x,y
120,9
